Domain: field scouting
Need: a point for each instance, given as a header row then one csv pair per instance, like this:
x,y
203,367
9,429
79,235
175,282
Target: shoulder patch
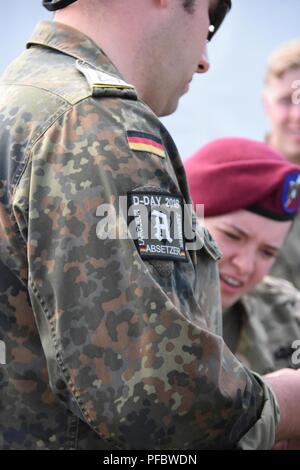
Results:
x,y
144,142
156,225
104,83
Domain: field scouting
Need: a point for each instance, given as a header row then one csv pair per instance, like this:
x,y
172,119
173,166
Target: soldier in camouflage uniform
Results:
x,y
249,220
281,99
108,347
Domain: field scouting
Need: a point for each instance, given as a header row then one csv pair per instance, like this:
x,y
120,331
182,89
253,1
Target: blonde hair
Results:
x,y
286,58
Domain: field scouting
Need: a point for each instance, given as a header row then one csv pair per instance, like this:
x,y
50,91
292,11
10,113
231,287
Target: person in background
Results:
x,y
281,100
249,203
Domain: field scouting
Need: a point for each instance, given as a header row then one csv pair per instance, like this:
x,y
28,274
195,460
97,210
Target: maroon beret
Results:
x,y
236,173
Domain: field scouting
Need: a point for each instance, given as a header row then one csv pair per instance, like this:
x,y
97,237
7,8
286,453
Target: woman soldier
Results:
x,y
250,196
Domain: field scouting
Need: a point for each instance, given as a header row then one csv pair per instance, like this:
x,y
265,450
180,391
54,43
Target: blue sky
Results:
x,y
224,102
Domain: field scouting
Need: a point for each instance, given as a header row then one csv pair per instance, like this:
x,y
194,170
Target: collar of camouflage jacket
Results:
x,y
70,41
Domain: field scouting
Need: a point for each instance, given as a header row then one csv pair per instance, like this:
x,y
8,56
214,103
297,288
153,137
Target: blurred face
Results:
x,y
250,244
178,51
284,116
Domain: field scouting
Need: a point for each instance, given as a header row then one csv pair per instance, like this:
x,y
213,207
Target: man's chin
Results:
x,y
168,110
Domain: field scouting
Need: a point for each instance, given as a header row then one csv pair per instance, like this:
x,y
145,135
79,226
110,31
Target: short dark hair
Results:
x,y
224,5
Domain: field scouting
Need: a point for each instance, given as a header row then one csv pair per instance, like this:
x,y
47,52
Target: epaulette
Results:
x,y
104,83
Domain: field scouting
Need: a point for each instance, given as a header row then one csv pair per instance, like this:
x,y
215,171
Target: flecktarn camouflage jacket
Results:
x,y
107,342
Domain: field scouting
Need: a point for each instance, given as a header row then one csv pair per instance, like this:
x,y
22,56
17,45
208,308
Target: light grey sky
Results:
x,y
224,102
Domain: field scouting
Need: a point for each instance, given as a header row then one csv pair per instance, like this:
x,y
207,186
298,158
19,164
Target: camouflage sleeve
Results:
x,y
121,353
262,435
286,265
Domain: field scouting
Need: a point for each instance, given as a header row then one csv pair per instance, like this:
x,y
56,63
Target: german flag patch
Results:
x,y
144,142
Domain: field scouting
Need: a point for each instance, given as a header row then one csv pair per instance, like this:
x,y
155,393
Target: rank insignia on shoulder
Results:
x,y
144,142
101,81
156,225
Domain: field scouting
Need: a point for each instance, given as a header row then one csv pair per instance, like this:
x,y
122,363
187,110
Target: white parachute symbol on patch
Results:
x,y
161,226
